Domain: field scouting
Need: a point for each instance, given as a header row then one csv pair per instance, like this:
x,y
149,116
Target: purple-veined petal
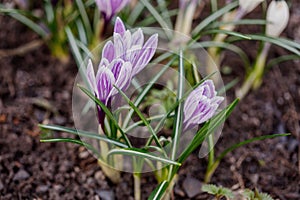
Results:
x,y
105,81
115,67
108,51
124,78
120,51
91,76
103,63
119,27
209,89
146,54
138,38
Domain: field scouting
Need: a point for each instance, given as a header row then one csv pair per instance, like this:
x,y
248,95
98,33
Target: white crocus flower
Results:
x,y
278,17
249,5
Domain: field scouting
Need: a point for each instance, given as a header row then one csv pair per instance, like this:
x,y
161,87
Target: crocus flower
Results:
x,y
130,47
201,105
109,8
121,60
277,17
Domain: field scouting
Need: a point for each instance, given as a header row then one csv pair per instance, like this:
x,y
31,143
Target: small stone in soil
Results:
x,y
21,175
42,188
106,194
191,186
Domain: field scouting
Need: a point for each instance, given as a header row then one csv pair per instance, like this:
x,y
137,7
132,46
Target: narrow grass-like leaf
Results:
x,y
151,20
85,18
142,154
291,46
214,166
228,86
145,91
25,20
141,116
81,31
214,17
239,22
235,146
135,14
281,59
158,17
162,6
178,119
159,191
220,31
224,45
83,134
107,112
49,11
88,146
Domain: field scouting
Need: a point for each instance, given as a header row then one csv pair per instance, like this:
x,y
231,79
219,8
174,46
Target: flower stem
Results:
x,y
137,186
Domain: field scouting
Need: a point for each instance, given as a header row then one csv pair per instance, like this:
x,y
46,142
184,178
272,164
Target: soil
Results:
x,y
36,88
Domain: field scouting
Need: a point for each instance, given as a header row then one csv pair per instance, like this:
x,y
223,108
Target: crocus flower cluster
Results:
x,y
121,60
109,8
201,104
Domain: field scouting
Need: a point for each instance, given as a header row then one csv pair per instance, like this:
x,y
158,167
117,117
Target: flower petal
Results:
x,y
119,26
91,76
146,54
124,78
104,80
108,51
120,51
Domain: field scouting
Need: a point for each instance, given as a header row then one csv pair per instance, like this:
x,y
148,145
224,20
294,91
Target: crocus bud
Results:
x,y
201,105
109,8
277,17
247,6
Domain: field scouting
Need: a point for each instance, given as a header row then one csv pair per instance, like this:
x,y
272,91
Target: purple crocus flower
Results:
x,y
109,8
121,60
116,73
130,47
201,105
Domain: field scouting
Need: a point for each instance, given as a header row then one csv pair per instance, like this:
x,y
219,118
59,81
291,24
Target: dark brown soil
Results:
x,y
36,88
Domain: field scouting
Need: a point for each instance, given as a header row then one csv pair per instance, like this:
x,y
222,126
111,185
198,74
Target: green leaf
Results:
x,y
213,17
107,112
159,191
284,43
158,17
233,33
239,22
83,134
145,91
224,45
178,120
281,59
18,15
141,116
235,146
88,146
218,191
84,18
143,154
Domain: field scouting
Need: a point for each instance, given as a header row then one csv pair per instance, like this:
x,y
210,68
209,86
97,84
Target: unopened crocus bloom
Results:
x,y
201,104
277,18
109,8
121,60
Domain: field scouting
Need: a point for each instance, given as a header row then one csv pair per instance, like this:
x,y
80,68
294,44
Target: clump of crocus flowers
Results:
x,y
122,58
